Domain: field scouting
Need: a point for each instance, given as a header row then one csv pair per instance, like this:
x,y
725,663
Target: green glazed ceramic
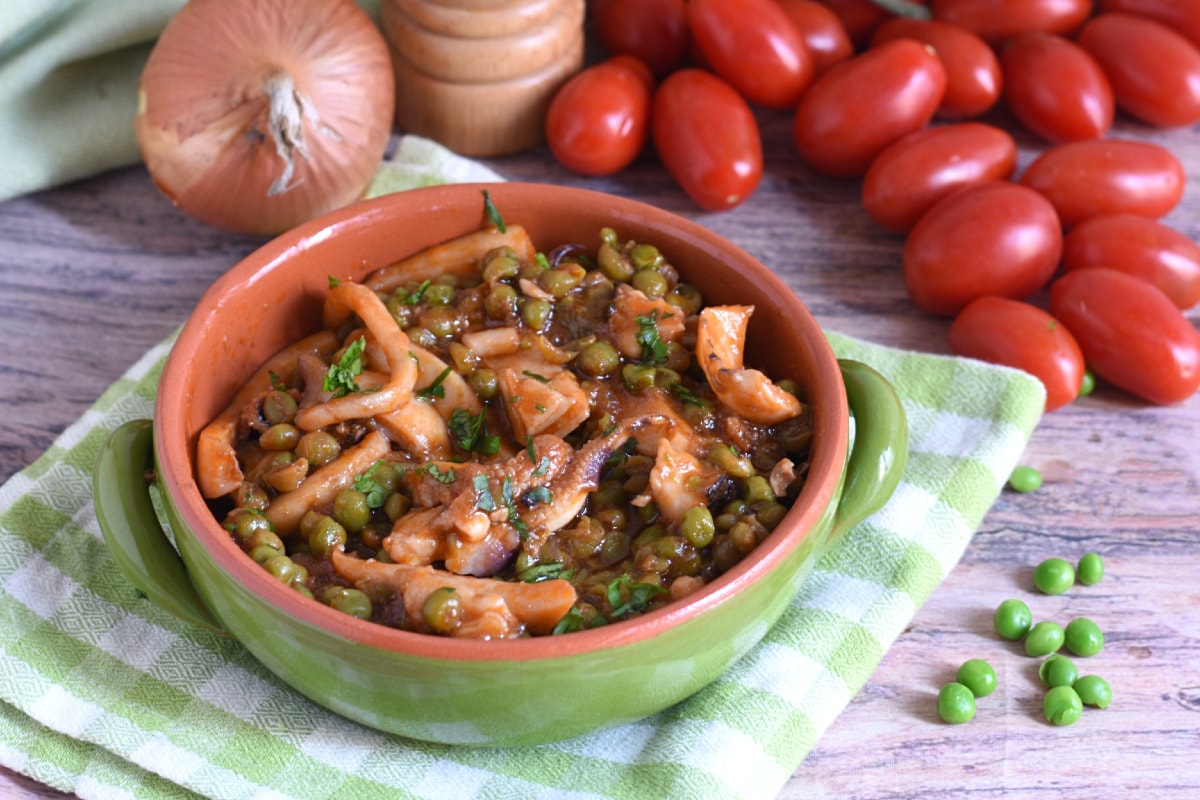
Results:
x,y
523,691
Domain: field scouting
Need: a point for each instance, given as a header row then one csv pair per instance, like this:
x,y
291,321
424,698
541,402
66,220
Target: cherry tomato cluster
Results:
x,y
895,102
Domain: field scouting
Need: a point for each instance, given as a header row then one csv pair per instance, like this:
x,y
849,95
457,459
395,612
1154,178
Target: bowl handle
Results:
x,y
880,445
131,527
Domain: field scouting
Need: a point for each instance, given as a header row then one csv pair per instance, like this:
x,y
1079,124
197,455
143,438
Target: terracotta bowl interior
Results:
x,y
274,297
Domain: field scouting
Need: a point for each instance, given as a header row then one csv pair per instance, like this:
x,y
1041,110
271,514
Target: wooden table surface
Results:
x,y
92,274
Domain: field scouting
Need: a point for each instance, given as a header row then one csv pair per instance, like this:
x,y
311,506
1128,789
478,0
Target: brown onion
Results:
x,y
257,115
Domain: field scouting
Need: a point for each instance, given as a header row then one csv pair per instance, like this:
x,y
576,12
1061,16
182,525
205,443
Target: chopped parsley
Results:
x,y
654,349
412,298
687,395
506,497
375,492
431,469
483,494
541,260
545,572
535,376
493,213
470,431
540,494
334,282
342,375
435,389
639,594
276,382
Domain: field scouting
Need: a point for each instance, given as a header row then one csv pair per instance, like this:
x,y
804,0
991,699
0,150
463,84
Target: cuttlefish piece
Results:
x,y
459,257
629,305
543,404
217,470
720,339
679,480
395,345
536,607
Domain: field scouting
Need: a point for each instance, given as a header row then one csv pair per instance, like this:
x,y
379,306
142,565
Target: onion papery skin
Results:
x,y
203,115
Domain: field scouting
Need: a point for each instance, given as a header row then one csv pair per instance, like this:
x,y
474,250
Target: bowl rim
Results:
x,y
174,458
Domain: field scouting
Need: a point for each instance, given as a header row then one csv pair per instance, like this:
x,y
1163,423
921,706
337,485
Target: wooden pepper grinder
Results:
x,y
478,75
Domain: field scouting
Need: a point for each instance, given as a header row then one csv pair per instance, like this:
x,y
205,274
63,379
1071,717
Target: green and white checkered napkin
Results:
x,y
106,695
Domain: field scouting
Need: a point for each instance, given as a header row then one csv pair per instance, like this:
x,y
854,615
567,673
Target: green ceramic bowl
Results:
x,y
480,692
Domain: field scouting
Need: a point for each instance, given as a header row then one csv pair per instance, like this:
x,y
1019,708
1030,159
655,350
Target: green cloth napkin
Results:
x,y
105,694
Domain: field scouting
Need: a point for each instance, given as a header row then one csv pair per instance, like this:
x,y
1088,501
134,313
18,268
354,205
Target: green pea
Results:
x,y
501,302
1012,619
442,609
1057,671
1054,576
397,305
646,256
757,489
560,281
1088,385
770,515
318,448
637,377
598,360
438,294
978,676
1025,479
1093,691
350,508
956,704
686,298
396,505
535,313
442,321
326,536
1044,638
499,264
253,497
243,522
1083,637
649,282
737,466
348,601
421,336
283,436
614,265
263,544
286,570
1090,569
278,407
1062,705
697,526
485,382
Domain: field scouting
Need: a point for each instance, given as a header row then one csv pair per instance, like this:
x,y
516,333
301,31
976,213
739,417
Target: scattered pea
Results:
x,y
351,510
955,704
1062,705
1090,569
1012,619
1054,576
1025,479
1093,691
1057,671
978,676
697,526
1088,385
1083,637
1044,638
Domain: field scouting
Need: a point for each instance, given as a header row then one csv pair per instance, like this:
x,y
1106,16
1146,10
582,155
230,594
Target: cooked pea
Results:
x,y
287,473
648,535
955,704
637,377
560,281
286,570
1062,705
686,298
283,436
1057,670
978,676
1093,691
262,544
678,358
243,522
734,464
442,610
438,294
612,263
499,264
743,536
1012,619
1025,479
398,306
757,489
645,256
442,321
278,407
1044,638
649,282
348,601
350,508
485,382
501,302
1090,569
1054,576
421,336
318,448
535,313
252,496
770,514
697,526
613,518
598,360
665,377
327,535
396,505
1083,637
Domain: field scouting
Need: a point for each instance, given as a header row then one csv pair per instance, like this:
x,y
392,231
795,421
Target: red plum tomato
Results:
x,y
717,165
754,46
859,17
1017,334
973,76
860,106
1154,71
822,31
1145,248
999,20
916,171
1131,334
1055,88
1107,176
653,31
997,238
597,122
1182,16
